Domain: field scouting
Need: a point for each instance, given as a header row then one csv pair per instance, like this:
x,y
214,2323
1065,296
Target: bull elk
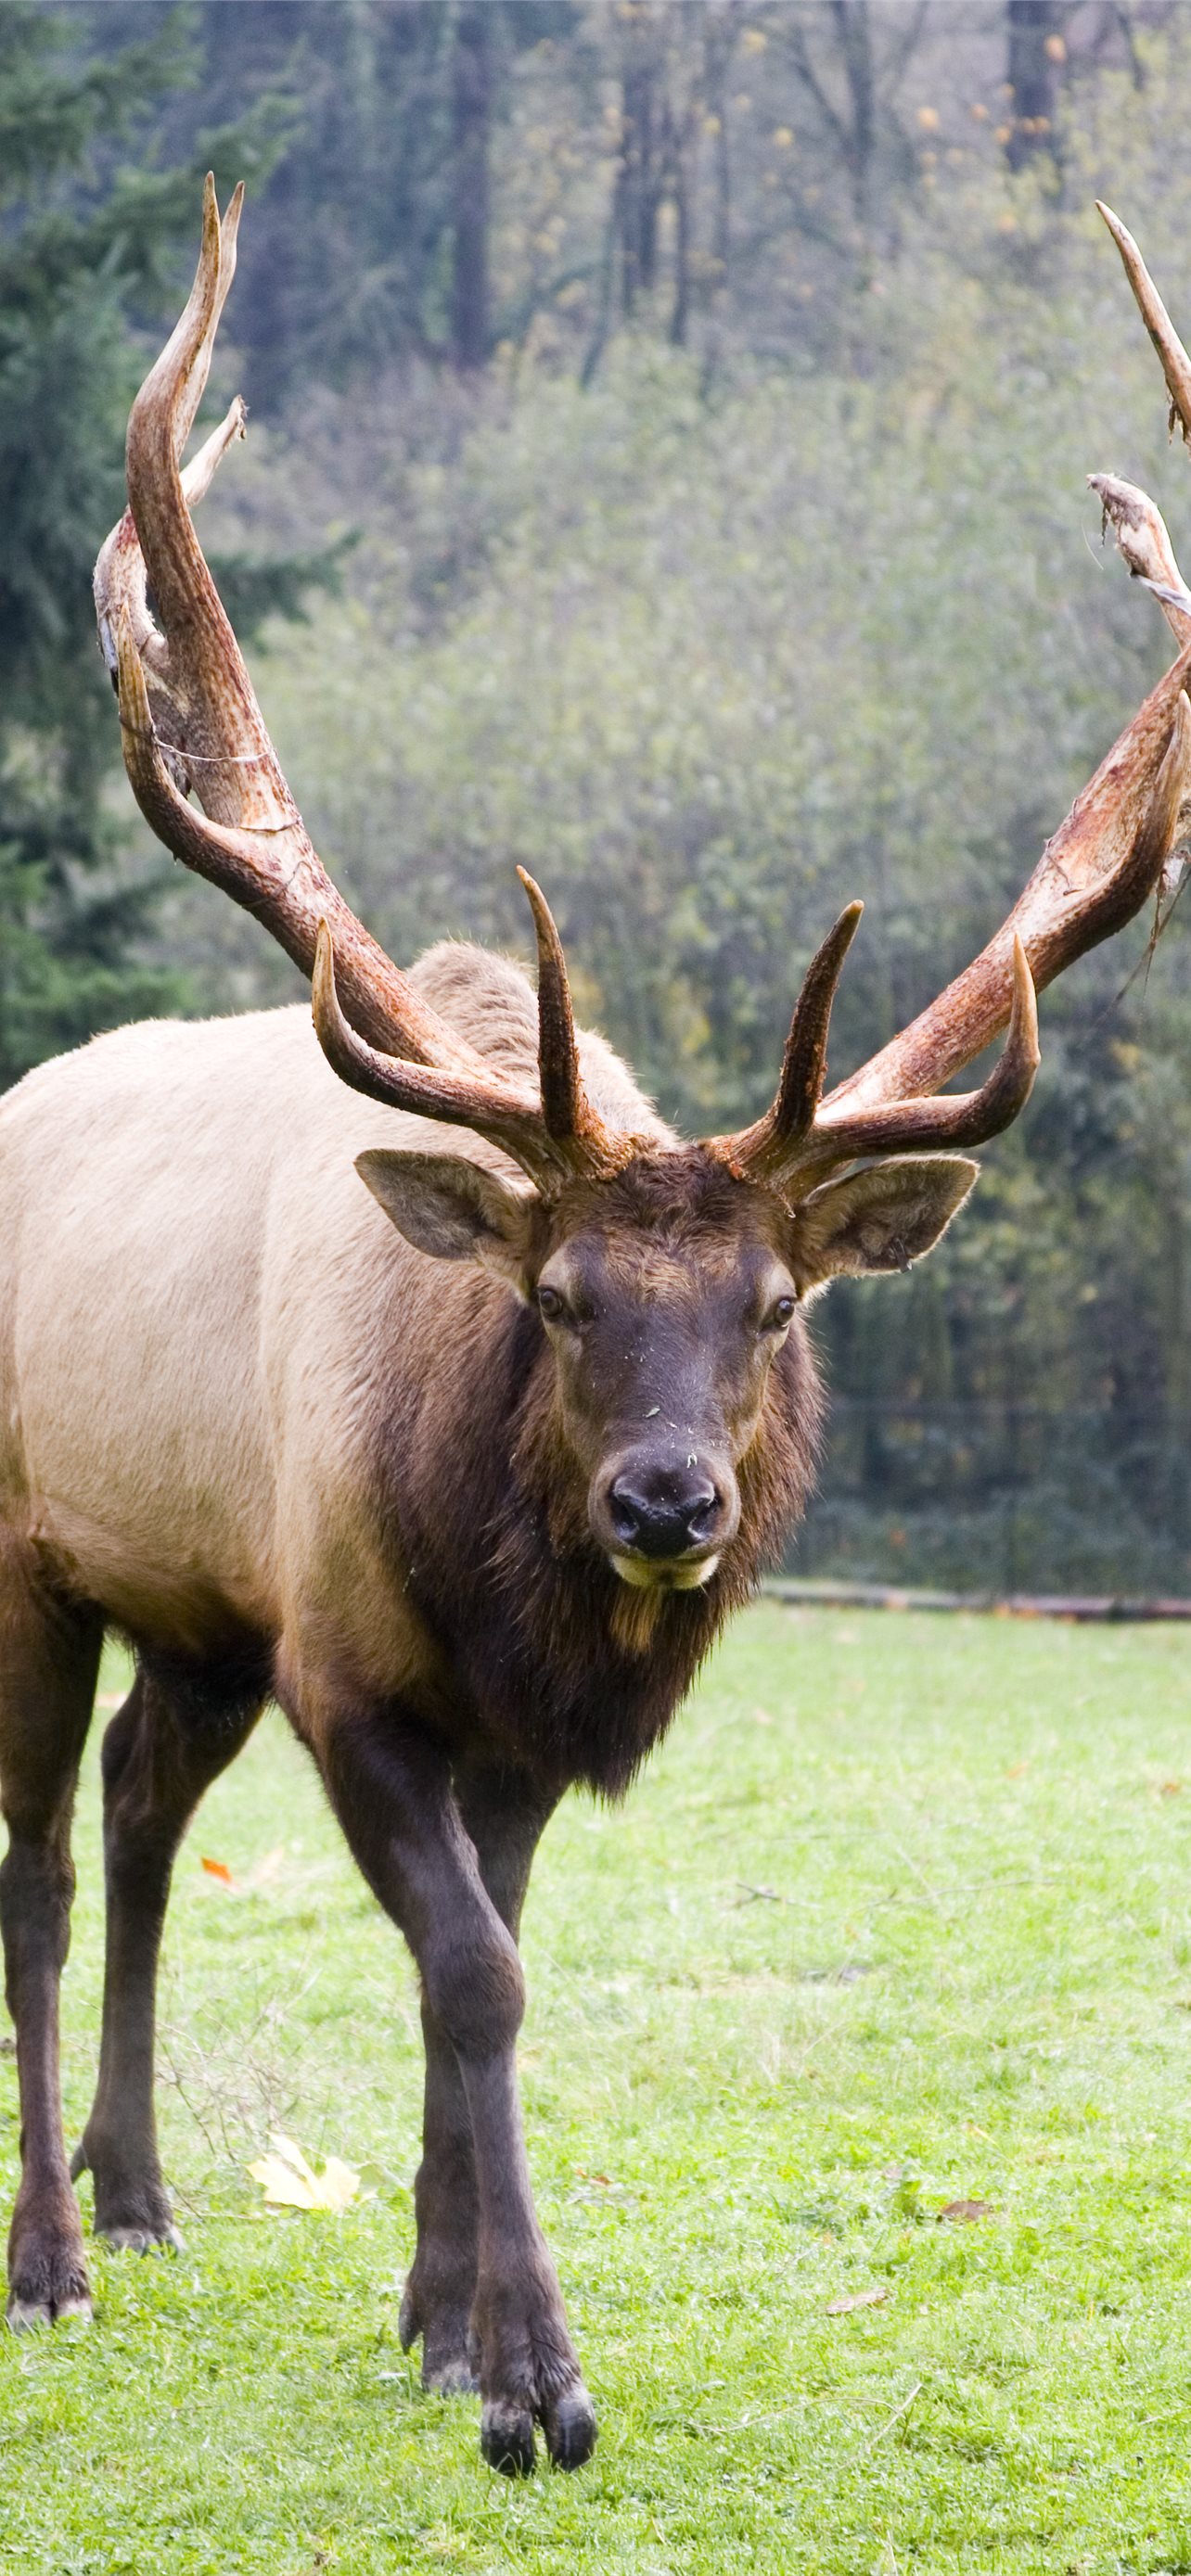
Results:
x,y
465,1467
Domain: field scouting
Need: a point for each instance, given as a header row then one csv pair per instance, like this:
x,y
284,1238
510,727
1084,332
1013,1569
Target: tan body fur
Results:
x,y
202,1315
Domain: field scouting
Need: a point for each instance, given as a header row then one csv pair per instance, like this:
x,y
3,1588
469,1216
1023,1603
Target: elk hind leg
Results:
x,y
175,1732
49,1660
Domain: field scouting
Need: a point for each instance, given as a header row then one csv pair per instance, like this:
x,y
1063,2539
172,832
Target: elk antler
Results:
x,y
190,720
381,1036
1092,877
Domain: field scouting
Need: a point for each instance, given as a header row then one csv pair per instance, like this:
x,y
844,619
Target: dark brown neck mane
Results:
x,y
576,1674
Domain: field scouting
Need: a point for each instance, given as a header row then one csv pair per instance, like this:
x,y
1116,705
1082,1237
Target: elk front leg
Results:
x,y
440,2291
391,1789
504,1816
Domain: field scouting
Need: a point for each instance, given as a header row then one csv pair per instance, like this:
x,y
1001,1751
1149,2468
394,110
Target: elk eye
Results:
x,y
551,1307
780,1315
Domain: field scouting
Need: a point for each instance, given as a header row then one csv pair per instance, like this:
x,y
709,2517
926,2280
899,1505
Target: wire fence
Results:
x,y
1003,1496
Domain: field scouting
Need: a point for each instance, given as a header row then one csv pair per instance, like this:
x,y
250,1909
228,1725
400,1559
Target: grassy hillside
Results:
x,y
900,1919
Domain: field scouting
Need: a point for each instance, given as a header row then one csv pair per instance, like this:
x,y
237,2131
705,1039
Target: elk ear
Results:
x,y
455,1210
882,1218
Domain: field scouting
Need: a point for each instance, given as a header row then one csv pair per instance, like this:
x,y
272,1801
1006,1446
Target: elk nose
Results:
x,y
663,1524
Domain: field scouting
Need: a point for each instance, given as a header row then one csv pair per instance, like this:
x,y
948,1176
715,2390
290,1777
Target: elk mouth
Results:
x,y
687,1574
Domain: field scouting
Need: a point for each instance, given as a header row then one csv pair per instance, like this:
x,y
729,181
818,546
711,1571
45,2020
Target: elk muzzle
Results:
x,y
664,1515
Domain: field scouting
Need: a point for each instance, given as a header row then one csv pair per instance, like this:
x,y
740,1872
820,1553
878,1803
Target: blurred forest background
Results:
x,y
670,421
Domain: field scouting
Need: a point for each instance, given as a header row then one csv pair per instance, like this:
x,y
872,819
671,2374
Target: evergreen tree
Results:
x,y
82,237
375,238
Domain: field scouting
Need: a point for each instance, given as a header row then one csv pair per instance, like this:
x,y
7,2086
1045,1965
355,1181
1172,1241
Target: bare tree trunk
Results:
x,y
1035,52
854,30
721,29
473,73
682,149
639,189
603,322
718,43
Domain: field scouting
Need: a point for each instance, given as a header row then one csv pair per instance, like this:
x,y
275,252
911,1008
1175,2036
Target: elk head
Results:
x,y
667,1277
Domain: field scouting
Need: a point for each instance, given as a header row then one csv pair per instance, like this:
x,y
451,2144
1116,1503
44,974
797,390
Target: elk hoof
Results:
x,y
47,2270
506,2437
49,2291
132,2210
164,2239
569,2424
24,2314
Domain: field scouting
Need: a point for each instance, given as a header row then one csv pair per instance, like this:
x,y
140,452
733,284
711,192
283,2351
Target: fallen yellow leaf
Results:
x,y
289,2182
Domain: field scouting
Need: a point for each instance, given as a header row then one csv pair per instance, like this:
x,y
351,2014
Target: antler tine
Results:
x,y
569,1117
1176,366
1144,543
928,1125
180,373
764,1149
564,1107
502,1110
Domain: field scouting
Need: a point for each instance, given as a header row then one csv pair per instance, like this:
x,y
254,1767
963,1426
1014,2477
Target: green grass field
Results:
x,y
901,1917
